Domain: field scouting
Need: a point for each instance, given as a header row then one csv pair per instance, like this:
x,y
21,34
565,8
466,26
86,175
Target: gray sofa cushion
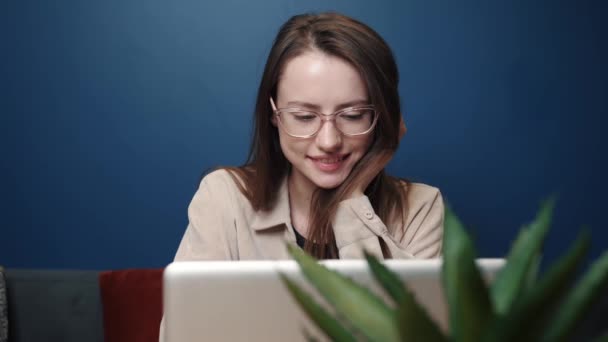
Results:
x,y
54,306
3,309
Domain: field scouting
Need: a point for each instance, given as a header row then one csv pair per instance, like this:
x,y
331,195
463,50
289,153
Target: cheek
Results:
x,y
359,148
292,146
368,142
362,144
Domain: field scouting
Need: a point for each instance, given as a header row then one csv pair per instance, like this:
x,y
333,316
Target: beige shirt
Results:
x,y
224,226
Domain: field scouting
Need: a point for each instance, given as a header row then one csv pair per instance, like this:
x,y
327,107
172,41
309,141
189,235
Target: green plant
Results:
x,y
519,305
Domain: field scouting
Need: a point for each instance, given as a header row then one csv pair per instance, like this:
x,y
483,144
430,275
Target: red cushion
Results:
x,y
132,304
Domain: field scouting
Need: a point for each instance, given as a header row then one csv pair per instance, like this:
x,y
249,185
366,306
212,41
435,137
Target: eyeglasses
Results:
x,y
306,123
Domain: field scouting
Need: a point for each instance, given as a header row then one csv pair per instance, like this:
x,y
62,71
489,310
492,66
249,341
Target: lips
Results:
x,y
329,163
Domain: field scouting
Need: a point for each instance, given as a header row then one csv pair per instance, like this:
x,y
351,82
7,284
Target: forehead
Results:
x,y
320,79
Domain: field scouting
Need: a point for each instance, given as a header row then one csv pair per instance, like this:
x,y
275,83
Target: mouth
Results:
x,y
329,163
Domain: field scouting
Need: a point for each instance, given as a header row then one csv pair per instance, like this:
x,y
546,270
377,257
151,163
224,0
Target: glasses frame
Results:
x,y
323,117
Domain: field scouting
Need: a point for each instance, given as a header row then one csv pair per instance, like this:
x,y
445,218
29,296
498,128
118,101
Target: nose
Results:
x,y
329,139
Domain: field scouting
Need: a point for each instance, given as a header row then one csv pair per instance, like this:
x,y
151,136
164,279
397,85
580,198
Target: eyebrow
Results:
x,y
317,107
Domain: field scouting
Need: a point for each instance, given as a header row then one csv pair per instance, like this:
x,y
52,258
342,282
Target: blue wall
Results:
x,y
110,112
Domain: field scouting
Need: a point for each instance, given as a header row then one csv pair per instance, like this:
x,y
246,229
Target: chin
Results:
x,y
330,182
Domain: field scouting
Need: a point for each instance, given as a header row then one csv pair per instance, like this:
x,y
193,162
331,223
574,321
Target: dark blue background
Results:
x,y
110,112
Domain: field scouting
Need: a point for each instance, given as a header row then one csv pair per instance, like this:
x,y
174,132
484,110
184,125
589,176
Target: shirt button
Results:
x,y
369,215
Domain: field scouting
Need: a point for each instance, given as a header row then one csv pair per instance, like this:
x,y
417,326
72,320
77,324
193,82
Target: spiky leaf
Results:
x,y
309,336
592,284
603,338
526,320
414,322
510,281
323,319
390,281
467,295
364,310
533,272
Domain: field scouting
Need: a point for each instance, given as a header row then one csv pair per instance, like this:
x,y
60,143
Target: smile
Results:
x,y
329,163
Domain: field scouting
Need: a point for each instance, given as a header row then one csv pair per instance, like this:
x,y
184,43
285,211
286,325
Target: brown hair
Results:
x,y
340,36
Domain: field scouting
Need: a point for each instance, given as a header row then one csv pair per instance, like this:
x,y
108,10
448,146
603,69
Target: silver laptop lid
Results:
x,y
246,300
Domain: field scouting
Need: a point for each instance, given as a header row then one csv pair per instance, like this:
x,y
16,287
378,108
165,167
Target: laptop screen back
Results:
x,y
246,300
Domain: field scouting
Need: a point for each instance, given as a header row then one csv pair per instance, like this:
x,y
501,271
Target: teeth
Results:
x,y
330,160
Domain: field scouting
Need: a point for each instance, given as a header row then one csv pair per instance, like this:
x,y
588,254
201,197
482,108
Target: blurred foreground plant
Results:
x,y
519,305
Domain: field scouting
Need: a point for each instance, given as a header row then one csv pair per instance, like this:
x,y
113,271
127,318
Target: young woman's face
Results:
x,y
325,84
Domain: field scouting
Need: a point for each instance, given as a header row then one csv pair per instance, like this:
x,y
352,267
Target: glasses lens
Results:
x,y
355,121
300,123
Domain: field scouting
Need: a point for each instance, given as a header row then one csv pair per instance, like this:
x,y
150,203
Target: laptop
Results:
x,y
246,300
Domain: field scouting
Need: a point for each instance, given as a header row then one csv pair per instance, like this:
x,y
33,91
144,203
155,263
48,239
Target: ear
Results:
x,y
402,128
273,117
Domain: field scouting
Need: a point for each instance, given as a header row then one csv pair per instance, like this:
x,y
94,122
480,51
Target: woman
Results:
x,y
327,121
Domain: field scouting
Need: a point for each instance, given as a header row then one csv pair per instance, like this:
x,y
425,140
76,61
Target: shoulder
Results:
x,y
217,185
221,178
420,194
422,200
223,185
424,216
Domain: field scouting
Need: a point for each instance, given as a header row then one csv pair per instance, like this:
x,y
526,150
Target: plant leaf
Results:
x,y
510,281
593,282
310,338
533,272
468,298
602,338
323,319
528,317
414,322
364,310
534,268
390,281
543,299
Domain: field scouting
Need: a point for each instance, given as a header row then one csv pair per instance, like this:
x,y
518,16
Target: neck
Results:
x,y
300,195
300,192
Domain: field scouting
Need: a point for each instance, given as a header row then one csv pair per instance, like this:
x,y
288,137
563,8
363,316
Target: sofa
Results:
x,y
65,305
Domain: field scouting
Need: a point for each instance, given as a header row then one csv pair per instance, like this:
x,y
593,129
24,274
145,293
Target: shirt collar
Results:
x,y
278,215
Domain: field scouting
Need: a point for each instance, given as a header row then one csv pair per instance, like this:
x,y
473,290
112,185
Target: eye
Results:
x,y
303,116
353,117
356,115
